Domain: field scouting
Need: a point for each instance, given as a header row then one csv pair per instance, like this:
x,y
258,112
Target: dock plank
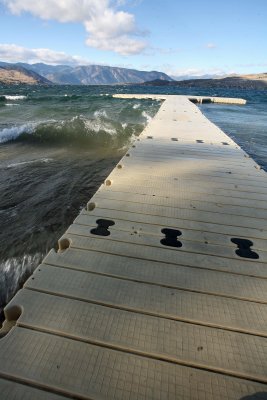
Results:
x,y
133,237
11,390
182,213
86,371
195,232
159,338
203,309
200,279
212,200
246,211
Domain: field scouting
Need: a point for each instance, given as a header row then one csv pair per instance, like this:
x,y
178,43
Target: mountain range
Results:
x,y
84,75
250,81
14,74
45,74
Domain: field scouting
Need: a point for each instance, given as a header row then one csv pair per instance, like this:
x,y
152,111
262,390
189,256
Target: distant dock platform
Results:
x,y
159,288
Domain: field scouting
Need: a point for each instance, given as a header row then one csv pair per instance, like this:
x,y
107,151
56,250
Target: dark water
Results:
x,y
57,145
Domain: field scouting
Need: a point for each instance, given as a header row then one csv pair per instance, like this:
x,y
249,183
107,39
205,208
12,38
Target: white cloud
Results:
x,y
13,53
199,72
122,45
110,24
196,72
60,10
249,65
107,28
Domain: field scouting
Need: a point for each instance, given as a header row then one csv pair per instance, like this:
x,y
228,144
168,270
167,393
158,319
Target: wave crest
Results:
x,y
14,272
13,98
77,131
9,134
146,116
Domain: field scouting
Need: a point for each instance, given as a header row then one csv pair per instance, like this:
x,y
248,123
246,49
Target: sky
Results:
x,y
189,37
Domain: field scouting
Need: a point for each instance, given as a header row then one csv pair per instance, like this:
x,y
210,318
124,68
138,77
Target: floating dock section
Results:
x,y
159,288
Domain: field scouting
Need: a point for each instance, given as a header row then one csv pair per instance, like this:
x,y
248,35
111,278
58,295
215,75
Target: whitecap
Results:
x,y
100,113
97,126
9,97
11,104
12,133
12,271
136,106
146,116
124,125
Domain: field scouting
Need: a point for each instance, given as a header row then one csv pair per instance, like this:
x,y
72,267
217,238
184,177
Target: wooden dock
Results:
x,y
159,288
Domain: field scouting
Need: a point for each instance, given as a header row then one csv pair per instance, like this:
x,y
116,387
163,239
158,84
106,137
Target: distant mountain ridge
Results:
x,y
251,81
15,74
41,73
91,74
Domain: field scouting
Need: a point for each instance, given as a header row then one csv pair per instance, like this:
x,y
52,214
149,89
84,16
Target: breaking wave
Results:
x,y
146,116
12,133
77,131
100,113
13,98
14,272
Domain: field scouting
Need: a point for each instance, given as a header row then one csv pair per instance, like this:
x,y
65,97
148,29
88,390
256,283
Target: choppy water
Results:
x,y
57,145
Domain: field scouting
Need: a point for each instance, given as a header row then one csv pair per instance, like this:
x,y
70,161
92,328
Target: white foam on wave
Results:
x,y
90,125
146,116
100,113
124,125
12,133
11,104
12,270
97,126
14,98
136,106
42,160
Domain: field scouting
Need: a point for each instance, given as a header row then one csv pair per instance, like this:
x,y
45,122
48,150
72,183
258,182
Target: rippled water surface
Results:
x,y
57,145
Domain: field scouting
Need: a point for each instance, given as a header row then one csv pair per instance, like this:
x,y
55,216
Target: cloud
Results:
x,y
187,72
60,10
107,28
122,45
249,65
13,53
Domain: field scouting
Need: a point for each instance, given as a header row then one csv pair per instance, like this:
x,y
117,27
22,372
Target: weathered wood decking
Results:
x,y
159,289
